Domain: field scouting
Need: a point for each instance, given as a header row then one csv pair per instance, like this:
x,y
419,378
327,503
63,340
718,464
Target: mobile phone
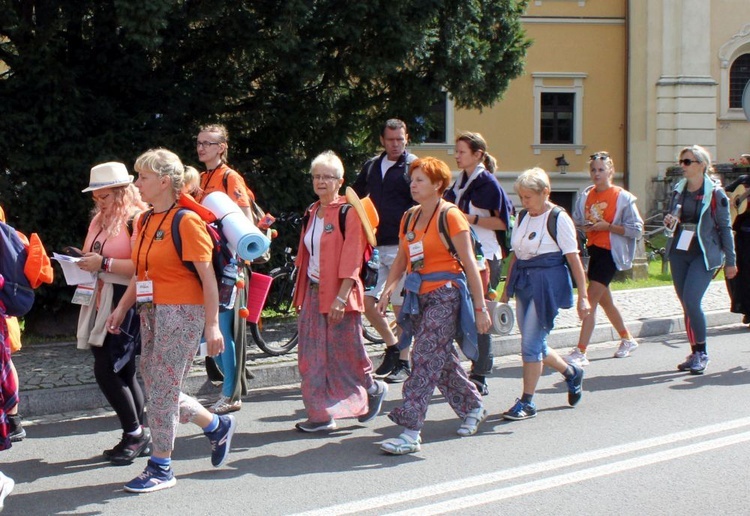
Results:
x,y
72,251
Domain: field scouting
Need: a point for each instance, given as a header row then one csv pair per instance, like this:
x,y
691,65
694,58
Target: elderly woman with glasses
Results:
x,y
699,244
335,369
609,217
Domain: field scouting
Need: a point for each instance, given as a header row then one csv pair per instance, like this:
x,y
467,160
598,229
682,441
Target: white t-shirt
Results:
x,y
312,243
531,238
385,164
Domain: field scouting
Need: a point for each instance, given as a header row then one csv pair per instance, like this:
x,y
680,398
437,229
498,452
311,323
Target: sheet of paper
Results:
x,y
73,274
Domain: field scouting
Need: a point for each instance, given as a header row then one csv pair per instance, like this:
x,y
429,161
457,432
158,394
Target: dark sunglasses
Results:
x,y
599,155
687,161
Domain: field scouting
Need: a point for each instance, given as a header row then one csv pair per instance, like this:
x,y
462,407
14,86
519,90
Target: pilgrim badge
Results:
x,y
159,235
532,235
328,228
410,236
97,246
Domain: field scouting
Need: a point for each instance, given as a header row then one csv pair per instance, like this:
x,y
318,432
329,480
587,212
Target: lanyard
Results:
x,y
209,175
93,249
143,236
416,219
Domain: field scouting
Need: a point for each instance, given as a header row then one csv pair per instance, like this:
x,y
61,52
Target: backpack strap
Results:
x,y
551,220
443,230
177,239
408,215
342,218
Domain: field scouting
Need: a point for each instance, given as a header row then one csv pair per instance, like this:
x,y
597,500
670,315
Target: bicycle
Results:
x,y
276,332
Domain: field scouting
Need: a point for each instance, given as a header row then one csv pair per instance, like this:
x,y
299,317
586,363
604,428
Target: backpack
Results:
x,y
552,230
16,294
257,213
445,236
367,275
221,256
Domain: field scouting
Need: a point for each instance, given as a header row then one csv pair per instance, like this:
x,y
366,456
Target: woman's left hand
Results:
x,y
214,339
730,271
483,322
336,312
90,262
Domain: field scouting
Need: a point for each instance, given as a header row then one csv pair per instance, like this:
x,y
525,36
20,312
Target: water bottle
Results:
x,y
228,287
374,262
674,218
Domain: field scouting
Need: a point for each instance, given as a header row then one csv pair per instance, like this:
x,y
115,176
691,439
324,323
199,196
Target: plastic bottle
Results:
x,y
374,262
228,287
674,219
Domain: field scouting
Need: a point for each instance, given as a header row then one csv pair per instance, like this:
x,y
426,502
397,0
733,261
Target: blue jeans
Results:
x,y
691,280
533,336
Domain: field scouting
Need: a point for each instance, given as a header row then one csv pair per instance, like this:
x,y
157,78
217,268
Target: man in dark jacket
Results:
x,y
385,178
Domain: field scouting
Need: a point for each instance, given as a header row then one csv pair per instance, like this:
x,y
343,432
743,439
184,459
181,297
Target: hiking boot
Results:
x,y
390,361
401,445
400,373
700,362
221,440
577,358
575,386
153,478
374,402
15,427
520,411
627,346
225,405
480,383
688,363
130,448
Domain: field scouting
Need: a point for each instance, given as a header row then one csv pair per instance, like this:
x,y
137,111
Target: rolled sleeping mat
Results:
x,y
501,315
243,236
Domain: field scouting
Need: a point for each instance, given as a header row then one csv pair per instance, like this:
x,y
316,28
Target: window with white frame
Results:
x,y
734,60
558,111
440,118
739,76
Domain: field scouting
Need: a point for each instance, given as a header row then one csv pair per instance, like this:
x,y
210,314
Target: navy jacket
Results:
x,y
390,194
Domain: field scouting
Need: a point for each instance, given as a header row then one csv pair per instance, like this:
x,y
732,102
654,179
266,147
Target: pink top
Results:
x,y
99,242
339,258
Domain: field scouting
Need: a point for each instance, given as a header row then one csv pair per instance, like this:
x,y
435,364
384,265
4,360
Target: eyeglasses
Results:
x,y
203,145
687,161
323,178
599,155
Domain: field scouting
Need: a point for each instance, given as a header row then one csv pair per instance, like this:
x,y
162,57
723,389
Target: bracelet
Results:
x,y
342,301
110,262
104,264
476,219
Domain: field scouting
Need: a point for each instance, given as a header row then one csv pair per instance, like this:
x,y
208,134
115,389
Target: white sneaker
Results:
x,y
577,358
626,346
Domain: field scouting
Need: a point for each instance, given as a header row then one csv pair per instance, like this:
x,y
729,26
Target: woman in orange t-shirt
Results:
x,y
176,307
436,308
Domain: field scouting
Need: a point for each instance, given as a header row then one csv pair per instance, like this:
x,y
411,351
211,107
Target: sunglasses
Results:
x,y
599,155
687,161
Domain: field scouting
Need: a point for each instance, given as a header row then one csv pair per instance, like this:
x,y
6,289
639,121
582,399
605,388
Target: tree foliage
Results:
x,y
91,81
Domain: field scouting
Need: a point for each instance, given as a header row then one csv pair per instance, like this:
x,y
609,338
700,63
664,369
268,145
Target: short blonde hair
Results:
x,y
534,179
163,163
328,159
191,180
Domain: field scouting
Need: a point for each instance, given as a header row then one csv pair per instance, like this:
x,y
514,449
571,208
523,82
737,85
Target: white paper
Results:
x,y
74,275
686,236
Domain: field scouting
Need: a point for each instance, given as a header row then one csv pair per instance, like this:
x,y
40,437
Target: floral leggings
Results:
x,y
170,335
435,362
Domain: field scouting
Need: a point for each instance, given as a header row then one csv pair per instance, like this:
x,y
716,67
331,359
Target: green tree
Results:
x,y
91,81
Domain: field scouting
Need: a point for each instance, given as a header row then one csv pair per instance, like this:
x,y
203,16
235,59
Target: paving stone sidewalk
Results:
x,y
56,378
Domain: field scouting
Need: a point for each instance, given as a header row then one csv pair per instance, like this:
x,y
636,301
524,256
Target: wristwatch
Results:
x,y
484,309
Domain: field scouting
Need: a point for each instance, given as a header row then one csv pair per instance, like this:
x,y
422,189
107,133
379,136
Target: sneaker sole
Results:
x,y
511,417
230,434
322,428
158,487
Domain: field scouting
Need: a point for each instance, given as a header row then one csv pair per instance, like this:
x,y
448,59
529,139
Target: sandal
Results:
x,y
472,421
401,445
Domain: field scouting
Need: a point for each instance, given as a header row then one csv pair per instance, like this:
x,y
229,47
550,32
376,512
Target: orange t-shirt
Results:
x,y
601,206
237,190
174,284
436,255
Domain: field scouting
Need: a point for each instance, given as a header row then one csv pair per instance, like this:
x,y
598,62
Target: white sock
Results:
x,y
412,434
136,433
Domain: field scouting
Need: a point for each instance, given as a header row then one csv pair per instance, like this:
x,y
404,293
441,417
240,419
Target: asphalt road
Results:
x,y
645,439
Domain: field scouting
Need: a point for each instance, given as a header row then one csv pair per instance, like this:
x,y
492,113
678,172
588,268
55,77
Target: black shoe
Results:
x,y
400,373
746,319
480,383
390,361
130,448
575,386
17,433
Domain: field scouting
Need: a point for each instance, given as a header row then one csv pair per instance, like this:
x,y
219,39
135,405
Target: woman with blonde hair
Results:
x,y
177,306
538,277
106,253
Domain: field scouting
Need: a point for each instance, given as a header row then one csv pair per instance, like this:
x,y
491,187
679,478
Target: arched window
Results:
x,y
739,75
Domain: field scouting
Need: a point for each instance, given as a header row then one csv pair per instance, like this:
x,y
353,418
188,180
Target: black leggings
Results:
x,y
121,389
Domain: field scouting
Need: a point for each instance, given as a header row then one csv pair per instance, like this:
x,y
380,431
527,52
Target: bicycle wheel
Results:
x,y
276,330
371,334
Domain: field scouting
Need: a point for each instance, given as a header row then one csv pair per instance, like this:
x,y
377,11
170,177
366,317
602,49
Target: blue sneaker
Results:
x,y
153,478
221,440
575,386
374,402
700,362
688,363
520,411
